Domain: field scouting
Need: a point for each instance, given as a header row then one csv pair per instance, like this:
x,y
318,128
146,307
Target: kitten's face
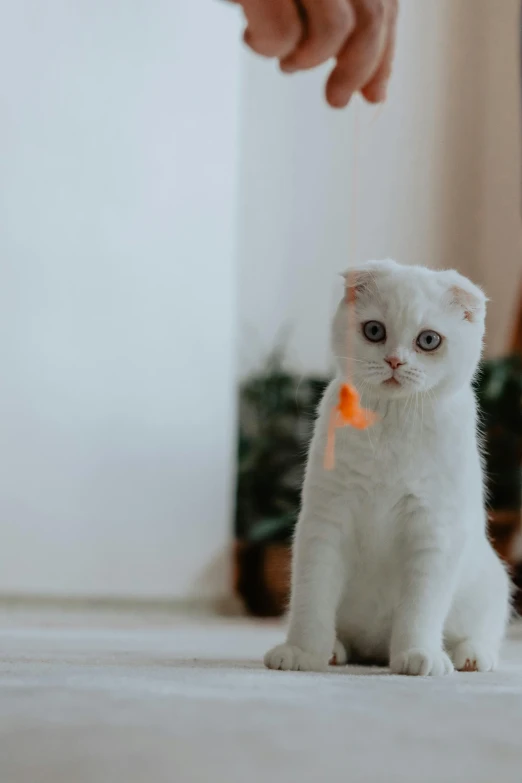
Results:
x,y
417,330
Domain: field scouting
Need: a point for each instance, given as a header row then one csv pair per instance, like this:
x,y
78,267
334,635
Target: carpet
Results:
x,y
100,697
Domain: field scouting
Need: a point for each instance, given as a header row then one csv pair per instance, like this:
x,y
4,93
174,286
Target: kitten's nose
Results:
x,y
394,362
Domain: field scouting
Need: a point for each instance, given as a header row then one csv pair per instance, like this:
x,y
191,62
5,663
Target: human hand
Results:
x,y
302,34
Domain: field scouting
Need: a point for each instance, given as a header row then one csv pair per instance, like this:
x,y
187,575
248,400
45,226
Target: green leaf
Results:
x,y
273,529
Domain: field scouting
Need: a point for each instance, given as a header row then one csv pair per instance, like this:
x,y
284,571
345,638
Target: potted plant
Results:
x,y
498,388
277,411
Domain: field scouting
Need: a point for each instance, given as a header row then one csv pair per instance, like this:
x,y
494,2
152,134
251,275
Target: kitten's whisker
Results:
x,y
366,384
431,397
299,382
353,359
413,440
409,404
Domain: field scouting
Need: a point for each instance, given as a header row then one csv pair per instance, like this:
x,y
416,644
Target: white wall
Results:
x,y
117,194
422,175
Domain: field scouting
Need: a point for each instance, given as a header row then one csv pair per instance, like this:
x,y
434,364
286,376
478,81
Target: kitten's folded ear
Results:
x,y
361,280
357,282
468,297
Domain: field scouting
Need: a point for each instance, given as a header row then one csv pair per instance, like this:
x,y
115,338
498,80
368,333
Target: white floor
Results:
x,y
117,698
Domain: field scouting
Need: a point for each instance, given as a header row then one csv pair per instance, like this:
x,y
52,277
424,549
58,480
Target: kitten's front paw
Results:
x,y
470,657
422,663
289,658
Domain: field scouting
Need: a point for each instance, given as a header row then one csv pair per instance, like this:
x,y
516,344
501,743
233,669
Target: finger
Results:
x,y
375,90
273,28
328,25
360,57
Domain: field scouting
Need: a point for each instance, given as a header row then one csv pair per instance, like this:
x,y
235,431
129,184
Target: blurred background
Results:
x,y
173,216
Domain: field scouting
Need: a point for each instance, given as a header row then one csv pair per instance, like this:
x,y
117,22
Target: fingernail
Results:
x,y
287,67
338,101
379,93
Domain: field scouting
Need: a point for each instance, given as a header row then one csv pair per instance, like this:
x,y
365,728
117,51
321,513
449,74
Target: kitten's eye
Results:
x,y
429,340
374,331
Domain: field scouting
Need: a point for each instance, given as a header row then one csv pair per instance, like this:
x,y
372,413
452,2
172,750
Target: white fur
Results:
x,y
392,563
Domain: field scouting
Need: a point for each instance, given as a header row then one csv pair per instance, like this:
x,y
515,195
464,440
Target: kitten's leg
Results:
x,y
478,618
429,570
317,581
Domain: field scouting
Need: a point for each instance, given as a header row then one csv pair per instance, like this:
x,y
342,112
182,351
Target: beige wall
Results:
x,y
499,258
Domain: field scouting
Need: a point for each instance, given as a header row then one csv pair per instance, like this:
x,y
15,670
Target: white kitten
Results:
x,y
392,563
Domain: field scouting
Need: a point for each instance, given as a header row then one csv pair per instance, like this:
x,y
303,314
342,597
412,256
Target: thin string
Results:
x,y
348,411
354,227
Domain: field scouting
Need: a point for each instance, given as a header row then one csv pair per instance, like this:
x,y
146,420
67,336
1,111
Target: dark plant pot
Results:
x,y
262,577
503,527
